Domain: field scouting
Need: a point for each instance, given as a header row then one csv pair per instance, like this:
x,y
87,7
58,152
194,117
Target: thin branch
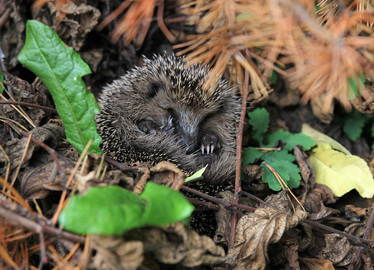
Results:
x,y
28,105
239,138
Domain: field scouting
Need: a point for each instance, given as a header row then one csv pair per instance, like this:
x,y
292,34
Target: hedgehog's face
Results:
x,y
189,124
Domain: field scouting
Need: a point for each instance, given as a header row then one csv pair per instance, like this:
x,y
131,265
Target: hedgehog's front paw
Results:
x,y
148,127
209,143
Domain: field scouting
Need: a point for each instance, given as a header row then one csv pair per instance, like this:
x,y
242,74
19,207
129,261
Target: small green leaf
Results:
x,y
165,205
1,82
197,174
291,140
357,84
61,69
354,125
281,162
274,77
279,135
259,119
250,155
109,211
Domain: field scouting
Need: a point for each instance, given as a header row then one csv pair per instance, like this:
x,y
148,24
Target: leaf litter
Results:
x,y
274,235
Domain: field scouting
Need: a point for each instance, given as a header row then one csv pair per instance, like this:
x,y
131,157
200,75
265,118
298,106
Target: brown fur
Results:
x,y
161,112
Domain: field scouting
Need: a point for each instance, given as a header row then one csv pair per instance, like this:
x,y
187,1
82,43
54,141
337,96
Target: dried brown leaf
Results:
x,y
317,264
256,231
50,133
74,22
115,253
37,183
175,244
338,250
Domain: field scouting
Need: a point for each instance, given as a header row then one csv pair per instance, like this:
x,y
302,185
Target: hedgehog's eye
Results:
x,y
154,88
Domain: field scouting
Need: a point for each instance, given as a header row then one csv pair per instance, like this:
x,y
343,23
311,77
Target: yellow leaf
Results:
x,y
321,138
340,172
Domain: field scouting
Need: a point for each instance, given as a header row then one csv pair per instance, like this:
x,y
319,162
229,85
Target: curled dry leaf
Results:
x,y
175,244
315,202
256,231
317,264
175,178
115,253
50,134
74,22
338,250
39,182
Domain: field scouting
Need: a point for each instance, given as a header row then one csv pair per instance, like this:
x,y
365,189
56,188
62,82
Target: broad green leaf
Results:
x,y
259,119
340,172
111,210
61,69
321,138
197,174
281,162
354,125
165,205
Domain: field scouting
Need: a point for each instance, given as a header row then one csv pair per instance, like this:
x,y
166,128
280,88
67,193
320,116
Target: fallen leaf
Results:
x,y
114,253
340,172
256,231
317,264
338,250
321,138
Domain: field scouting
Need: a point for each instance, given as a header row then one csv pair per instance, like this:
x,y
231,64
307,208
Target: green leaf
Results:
x,y
274,77
250,155
340,172
61,69
1,82
354,125
197,174
165,205
356,84
291,140
259,119
110,211
281,162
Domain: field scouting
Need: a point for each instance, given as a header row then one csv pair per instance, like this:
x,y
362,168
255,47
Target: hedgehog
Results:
x,y
161,111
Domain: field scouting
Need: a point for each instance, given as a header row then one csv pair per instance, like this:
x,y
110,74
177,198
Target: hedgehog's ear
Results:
x,y
153,89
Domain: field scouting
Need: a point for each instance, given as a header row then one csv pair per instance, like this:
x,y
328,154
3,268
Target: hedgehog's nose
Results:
x,y
190,145
190,149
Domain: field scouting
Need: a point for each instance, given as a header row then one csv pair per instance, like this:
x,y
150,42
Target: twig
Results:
x,y
226,204
2,59
161,23
121,166
28,105
239,137
70,180
356,240
9,212
43,256
43,145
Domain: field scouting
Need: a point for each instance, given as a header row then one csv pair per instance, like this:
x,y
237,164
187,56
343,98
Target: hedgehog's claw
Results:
x,y
209,143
